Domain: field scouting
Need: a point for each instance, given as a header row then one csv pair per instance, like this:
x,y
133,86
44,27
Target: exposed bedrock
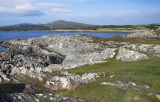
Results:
x,y
130,55
147,48
21,97
49,53
142,34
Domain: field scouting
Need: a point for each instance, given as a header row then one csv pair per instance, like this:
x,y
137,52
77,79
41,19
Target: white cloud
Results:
x,y
22,9
27,8
50,5
13,3
61,10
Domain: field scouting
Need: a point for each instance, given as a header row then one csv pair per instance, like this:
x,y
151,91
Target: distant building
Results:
x,y
159,28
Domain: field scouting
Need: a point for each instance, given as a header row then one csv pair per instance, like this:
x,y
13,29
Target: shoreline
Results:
x,y
94,31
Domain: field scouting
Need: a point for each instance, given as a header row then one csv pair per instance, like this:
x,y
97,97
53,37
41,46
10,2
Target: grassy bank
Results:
x,y
127,27
145,72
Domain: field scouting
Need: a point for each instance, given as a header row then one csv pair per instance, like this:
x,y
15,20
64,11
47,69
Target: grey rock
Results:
x,y
70,81
142,34
114,44
121,85
130,55
148,48
31,72
103,83
21,97
4,76
57,98
62,52
128,86
72,61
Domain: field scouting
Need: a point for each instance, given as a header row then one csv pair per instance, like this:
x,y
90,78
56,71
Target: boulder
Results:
x,y
130,55
142,34
70,81
72,61
153,49
4,76
21,97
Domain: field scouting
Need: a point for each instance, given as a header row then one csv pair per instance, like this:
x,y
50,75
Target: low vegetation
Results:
x,y
128,27
123,39
145,72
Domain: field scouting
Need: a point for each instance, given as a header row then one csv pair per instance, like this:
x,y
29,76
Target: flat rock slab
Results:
x,y
130,55
153,49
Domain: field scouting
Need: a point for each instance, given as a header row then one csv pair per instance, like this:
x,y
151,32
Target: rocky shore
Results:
x,y
36,56
98,31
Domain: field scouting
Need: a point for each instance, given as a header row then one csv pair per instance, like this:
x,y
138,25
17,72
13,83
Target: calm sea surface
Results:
x,y
8,35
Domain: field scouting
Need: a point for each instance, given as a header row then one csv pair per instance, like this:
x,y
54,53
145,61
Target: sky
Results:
x,y
97,12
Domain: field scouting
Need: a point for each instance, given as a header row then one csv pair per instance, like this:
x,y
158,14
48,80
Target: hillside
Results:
x,y
66,24
23,27
60,24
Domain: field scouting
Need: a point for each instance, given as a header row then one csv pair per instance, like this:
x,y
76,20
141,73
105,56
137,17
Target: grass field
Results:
x,y
128,27
145,72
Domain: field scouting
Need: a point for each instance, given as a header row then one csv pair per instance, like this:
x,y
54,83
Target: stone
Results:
x,y
70,81
147,48
73,61
4,76
124,86
136,98
50,53
20,97
111,76
142,34
130,55
103,83
57,98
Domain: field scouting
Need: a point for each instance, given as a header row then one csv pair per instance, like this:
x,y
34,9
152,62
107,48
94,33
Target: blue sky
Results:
x,y
102,12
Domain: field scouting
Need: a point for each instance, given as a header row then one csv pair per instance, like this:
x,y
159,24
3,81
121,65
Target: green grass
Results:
x,y
144,72
127,27
117,28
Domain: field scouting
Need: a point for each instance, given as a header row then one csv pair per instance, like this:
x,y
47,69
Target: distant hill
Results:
x,y
23,28
60,24
26,24
66,24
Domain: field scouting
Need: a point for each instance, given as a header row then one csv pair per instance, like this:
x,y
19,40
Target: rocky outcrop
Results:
x,y
50,53
142,34
72,61
130,55
21,97
71,81
148,48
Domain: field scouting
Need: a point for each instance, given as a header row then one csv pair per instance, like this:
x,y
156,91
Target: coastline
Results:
x,y
94,31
